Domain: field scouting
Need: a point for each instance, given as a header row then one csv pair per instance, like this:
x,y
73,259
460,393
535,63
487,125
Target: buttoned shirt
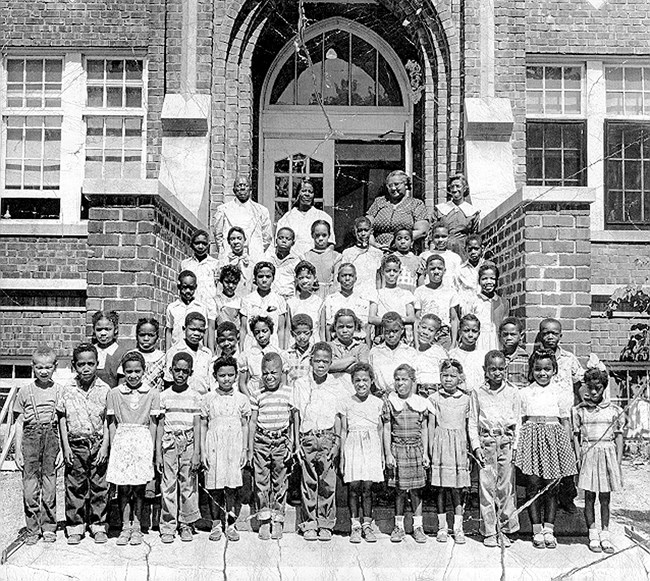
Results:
x,y
207,273
318,404
385,360
84,409
298,363
569,370
178,310
491,409
284,282
550,400
201,371
517,367
133,406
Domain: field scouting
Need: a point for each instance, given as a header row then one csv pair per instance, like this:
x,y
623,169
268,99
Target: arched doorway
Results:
x,y
338,110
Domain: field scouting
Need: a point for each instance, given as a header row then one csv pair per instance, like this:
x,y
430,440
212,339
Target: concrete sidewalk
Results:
x,y
293,558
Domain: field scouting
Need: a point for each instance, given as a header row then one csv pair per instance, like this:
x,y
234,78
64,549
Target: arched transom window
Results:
x,y
345,69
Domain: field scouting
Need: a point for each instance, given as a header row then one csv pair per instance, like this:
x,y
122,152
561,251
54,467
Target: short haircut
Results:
x,y
147,321
272,357
435,257
230,271
549,320
439,226
238,229
405,367
268,321
224,362
494,354
133,356
469,318
84,348
361,367
487,265
346,313
407,230
390,258
362,220
512,321
451,364
290,230
186,274
318,223
347,265
111,316
433,318
305,265
301,319
474,238
539,355
459,177
194,316
401,174
227,326
183,356
198,233
391,317
45,352
263,264
322,346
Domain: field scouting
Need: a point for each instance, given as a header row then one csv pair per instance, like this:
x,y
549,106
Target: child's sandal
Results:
x,y
594,541
605,543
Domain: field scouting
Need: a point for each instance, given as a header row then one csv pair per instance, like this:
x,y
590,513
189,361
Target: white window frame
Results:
x,y
646,101
73,112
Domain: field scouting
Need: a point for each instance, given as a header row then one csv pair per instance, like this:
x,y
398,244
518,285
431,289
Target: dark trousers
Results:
x,y
270,455
40,448
86,489
318,485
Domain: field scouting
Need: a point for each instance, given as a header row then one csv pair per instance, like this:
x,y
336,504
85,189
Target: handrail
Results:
x,y
9,402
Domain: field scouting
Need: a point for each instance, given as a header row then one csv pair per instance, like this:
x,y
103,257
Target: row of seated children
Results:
x,y
117,436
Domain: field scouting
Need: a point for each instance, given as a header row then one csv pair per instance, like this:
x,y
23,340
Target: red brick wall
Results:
x,y
557,26
136,246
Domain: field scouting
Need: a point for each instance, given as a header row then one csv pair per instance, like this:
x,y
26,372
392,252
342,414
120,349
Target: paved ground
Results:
x,y
295,559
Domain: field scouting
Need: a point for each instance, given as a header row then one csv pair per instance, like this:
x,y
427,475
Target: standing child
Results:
x,y
438,245
297,356
227,340
406,449
147,333
285,262
265,302
182,306
347,350
494,422
250,360
544,452
323,257
429,355
361,444
387,356
38,455
598,437
178,452
468,354
203,266
467,276
105,331
228,301
132,409
403,244
437,299
488,306
365,257
239,257
84,439
511,332
271,445
306,300
194,330
392,297
449,462
347,298
318,400
224,443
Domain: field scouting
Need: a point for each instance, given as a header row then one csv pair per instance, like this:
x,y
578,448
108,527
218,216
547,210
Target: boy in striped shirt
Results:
x,y
271,445
178,452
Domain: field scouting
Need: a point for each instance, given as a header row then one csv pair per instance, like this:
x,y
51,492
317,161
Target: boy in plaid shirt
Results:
x,y
297,356
510,335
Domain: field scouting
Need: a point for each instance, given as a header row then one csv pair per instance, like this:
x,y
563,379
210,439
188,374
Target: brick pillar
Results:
x,y
136,243
542,245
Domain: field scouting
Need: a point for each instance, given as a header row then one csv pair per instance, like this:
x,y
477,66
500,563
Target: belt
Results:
x,y
273,433
495,432
407,441
81,439
543,419
318,433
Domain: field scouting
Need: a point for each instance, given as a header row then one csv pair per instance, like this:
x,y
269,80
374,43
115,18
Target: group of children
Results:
x,y
381,368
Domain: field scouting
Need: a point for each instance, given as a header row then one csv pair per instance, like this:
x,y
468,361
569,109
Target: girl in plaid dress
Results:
x,y
406,449
543,452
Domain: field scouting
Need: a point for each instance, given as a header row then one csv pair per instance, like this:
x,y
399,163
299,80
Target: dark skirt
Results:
x,y
545,451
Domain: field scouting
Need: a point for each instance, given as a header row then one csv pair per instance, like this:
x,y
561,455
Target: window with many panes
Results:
x,y
49,106
289,173
628,90
555,127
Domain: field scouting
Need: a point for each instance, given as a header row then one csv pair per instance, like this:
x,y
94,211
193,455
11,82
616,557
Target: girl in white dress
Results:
x,y
361,442
224,443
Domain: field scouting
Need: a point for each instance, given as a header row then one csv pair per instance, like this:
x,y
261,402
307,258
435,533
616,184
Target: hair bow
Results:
x,y
594,363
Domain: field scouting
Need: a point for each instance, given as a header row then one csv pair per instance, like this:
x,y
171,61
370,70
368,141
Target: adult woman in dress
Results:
x,y
460,217
397,209
301,217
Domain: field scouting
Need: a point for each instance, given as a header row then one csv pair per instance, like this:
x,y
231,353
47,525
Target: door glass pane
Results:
x,y
281,187
315,166
281,166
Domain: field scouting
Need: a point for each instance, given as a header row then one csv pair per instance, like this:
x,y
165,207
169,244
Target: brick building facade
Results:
x,y
124,124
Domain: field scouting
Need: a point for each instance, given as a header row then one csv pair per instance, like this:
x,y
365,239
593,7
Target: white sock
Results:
x,y
399,521
549,527
537,529
442,521
458,522
356,522
417,521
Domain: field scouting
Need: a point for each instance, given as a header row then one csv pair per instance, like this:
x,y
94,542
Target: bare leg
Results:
x,y
550,502
366,499
124,499
138,503
416,501
400,502
533,487
604,509
440,500
354,489
457,500
590,512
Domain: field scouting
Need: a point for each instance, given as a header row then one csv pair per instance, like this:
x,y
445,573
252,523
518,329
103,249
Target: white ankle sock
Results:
x,y
356,522
537,529
417,521
549,527
399,521
442,521
458,522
